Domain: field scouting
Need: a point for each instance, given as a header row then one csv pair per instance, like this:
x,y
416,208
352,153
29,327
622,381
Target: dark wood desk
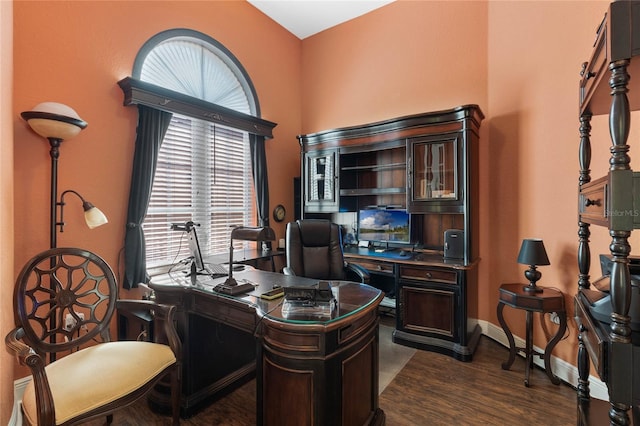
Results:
x,y
321,372
549,300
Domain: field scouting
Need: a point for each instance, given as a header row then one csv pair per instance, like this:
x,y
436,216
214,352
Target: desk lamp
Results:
x,y
532,253
244,233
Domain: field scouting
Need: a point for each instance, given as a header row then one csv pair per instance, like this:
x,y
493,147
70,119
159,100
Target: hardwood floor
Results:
x,y
432,389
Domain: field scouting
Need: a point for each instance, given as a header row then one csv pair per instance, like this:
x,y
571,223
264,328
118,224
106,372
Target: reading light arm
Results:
x,y
93,216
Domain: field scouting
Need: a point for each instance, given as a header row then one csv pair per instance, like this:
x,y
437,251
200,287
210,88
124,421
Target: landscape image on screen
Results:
x,y
384,225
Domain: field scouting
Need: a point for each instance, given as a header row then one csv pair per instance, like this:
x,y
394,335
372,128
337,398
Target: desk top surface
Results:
x,y
350,297
407,257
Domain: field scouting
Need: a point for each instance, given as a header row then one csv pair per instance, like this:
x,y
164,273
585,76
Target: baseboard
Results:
x,y
18,390
564,370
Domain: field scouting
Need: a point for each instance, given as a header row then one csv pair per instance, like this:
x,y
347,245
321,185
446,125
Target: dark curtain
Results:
x,y
152,127
260,179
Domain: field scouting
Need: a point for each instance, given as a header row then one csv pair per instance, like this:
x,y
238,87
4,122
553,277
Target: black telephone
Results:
x,y
318,293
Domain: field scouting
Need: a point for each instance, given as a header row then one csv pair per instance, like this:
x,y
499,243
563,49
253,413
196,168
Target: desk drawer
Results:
x,y
593,70
591,336
428,274
592,202
226,311
374,265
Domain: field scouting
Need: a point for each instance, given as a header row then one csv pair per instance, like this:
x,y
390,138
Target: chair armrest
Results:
x,y
163,314
36,363
288,271
358,270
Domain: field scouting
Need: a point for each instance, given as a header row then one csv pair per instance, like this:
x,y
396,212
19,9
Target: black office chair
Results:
x,y
314,250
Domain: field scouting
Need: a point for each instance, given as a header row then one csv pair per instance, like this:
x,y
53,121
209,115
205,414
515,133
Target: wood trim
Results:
x,y
137,92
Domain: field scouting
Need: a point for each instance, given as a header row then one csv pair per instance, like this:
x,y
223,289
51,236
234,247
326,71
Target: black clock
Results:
x,y
279,213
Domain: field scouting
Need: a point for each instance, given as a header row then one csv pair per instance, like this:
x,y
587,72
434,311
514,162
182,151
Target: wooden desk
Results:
x,y
549,300
321,372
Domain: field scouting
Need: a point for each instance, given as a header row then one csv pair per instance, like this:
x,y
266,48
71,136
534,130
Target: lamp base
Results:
x,y
233,288
532,275
532,289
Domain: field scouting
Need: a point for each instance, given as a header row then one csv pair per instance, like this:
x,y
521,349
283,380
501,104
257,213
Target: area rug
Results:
x,y
393,357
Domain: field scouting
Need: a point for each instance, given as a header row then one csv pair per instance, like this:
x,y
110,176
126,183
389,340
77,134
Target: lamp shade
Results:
x,y
94,216
248,233
54,120
532,252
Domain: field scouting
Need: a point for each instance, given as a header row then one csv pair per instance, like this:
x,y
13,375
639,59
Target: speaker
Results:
x,y
454,244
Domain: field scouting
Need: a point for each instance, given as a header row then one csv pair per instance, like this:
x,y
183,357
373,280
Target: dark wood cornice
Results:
x,y
143,93
401,124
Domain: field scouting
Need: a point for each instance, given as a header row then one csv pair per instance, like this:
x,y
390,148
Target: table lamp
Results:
x,y
244,233
532,253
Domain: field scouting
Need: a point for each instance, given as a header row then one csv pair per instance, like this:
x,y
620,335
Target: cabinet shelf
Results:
x,y
375,167
372,191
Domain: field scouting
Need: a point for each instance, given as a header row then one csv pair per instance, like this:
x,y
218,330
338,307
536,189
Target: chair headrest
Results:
x,y
315,232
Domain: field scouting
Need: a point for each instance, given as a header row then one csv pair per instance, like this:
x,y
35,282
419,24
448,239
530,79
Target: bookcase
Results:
x,y
426,164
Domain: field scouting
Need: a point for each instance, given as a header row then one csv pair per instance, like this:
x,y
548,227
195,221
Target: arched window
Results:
x,y
205,160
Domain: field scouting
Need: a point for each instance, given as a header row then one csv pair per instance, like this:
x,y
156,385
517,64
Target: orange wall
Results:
x,y
6,206
404,58
75,52
531,169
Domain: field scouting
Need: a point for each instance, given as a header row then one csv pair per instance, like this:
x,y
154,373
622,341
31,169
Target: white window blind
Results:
x,y
203,175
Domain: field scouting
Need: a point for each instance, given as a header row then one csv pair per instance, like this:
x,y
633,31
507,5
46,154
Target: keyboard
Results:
x,y
216,270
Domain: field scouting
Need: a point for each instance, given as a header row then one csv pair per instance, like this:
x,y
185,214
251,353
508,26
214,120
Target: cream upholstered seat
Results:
x,y
93,380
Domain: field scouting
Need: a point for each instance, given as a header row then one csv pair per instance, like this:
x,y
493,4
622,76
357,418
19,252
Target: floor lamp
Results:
x,y
57,122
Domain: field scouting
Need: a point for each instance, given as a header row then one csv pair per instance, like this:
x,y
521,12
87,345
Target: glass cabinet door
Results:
x,y
321,178
433,170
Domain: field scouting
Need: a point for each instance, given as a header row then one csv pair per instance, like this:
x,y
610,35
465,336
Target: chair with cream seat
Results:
x,y
64,301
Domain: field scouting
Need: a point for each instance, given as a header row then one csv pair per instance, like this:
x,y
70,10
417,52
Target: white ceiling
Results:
x,y
304,18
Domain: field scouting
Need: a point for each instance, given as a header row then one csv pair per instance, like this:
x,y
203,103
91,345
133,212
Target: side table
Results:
x,y
548,300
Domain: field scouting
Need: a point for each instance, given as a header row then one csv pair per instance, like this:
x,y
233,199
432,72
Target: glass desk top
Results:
x,y
350,297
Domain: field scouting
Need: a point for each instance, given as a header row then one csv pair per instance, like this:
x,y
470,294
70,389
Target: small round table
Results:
x,y
548,300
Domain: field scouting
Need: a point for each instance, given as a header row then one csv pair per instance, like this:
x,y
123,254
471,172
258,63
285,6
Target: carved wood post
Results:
x,y
584,232
619,122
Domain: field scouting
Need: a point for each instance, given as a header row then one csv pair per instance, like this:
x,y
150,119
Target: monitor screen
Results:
x,y
389,226
194,248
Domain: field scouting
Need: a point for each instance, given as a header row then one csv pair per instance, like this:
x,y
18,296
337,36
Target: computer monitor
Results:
x,y
384,226
194,247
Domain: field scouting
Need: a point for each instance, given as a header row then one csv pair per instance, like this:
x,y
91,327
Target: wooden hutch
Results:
x,y
607,319
426,164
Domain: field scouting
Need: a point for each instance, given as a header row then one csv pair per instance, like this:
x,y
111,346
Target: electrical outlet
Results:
x,y
553,316
70,321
